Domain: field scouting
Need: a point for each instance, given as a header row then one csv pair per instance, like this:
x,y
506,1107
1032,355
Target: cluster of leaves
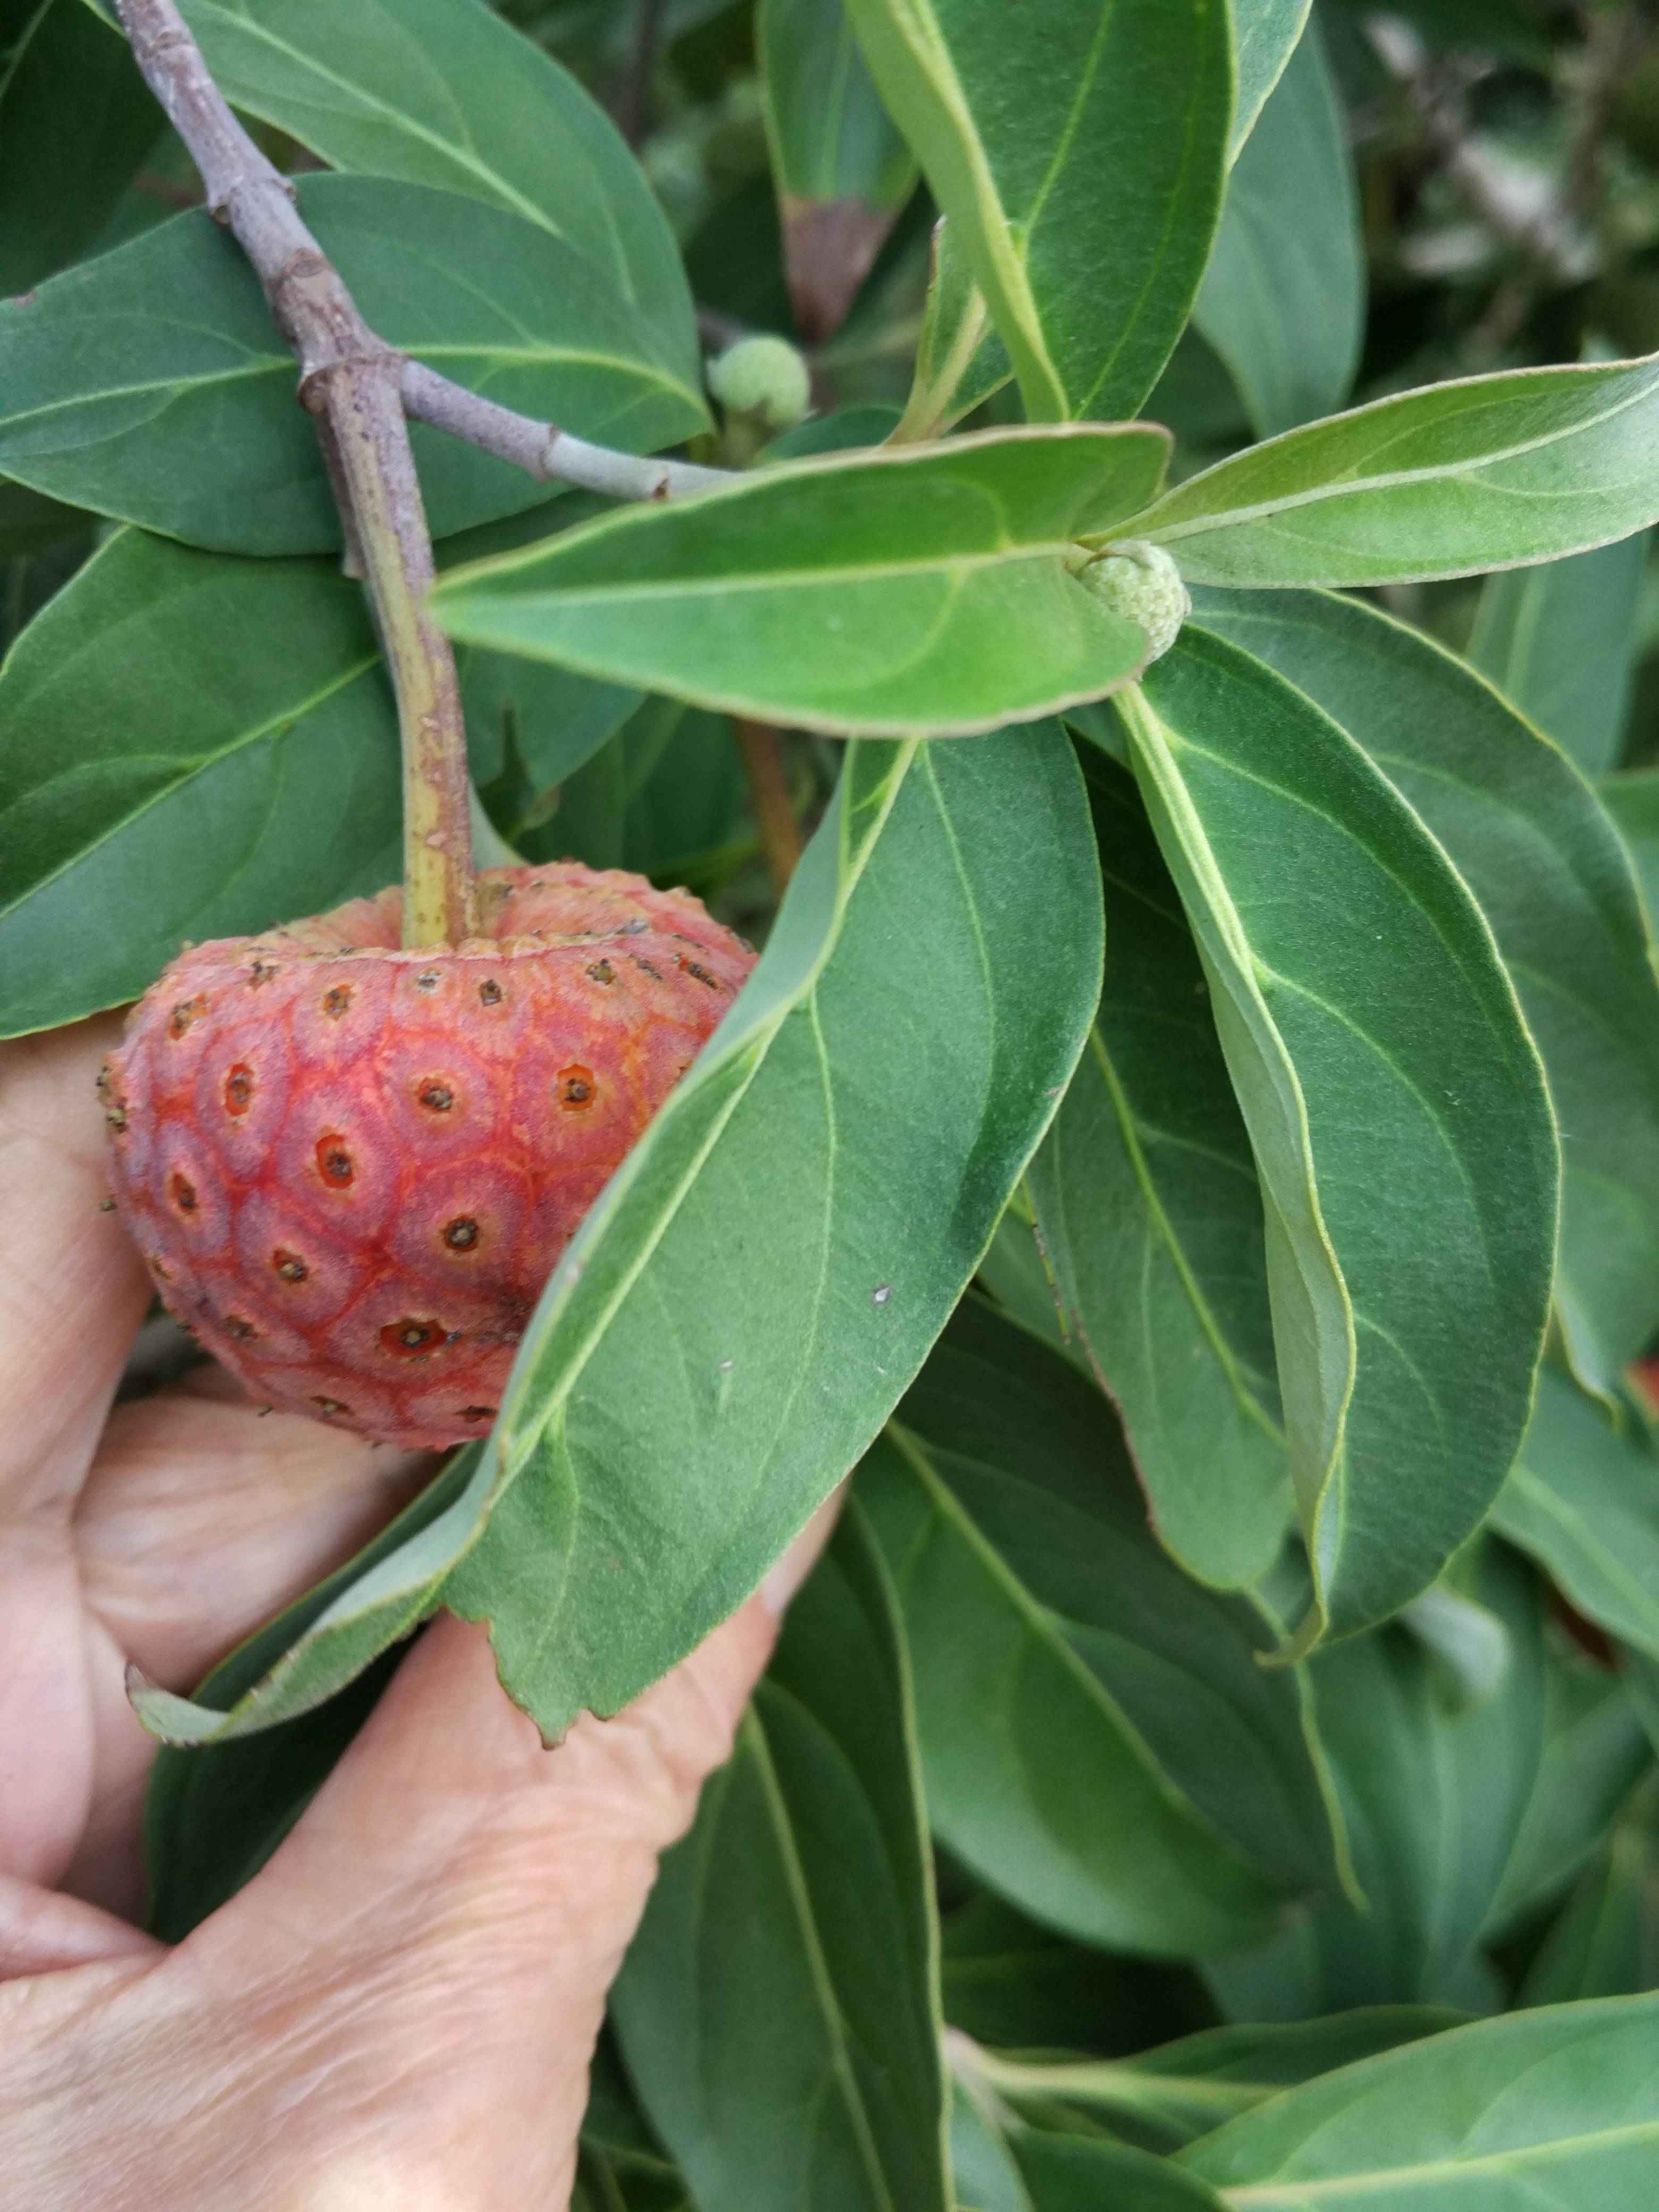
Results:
x,y
1229,1701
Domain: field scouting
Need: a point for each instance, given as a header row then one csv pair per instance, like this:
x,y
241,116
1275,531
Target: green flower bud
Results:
x,y
1141,583
763,377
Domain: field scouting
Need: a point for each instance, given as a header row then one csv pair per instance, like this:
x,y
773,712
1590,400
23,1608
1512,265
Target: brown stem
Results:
x,y
768,789
634,103
351,379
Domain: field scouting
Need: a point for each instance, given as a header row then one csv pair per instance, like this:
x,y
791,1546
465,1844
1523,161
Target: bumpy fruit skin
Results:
x,y
351,1168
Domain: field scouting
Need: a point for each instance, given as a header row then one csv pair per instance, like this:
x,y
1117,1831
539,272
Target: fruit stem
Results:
x,y
360,402
352,382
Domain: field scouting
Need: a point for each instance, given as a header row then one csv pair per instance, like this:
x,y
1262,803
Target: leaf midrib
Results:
x,y
1268,2193
1228,518
281,723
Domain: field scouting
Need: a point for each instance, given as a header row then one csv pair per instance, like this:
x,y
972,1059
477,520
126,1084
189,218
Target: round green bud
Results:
x,y
763,376
1141,583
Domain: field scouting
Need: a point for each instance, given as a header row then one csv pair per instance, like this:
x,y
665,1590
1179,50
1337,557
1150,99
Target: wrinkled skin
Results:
x,y
399,2009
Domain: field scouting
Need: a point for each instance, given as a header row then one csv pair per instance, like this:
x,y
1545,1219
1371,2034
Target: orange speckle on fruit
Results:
x,y
238,1089
336,1001
574,1088
334,1162
187,1012
410,1339
289,1265
184,1192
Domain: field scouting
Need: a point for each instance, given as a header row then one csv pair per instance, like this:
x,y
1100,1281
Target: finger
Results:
x,y
41,1933
199,1522
73,1288
472,1893
72,1291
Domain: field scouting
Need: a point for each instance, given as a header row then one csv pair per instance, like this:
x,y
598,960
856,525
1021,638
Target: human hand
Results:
x,y
400,2007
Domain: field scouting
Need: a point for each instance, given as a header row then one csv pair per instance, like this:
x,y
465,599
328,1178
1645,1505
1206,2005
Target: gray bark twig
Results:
x,y
351,381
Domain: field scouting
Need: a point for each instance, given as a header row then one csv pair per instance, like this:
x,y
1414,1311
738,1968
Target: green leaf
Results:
x,y
1265,35
982,2168
326,1639
1560,641
443,92
1486,472
29,523
1008,1982
667,796
1016,1271
762,1277
1080,160
1064,2173
152,385
1283,299
214,1814
779,2008
1434,1797
1099,1740
914,589
1150,1217
1524,831
1385,1075
1162,2099
1606,1942
841,170
1595,1751
166,725
1633,802
1559,2106
960,359
75,119
1583,1499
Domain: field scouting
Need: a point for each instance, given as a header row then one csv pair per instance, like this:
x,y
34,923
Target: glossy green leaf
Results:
x,y
1164,2098
1559,2106
1151,1218
1633,802
1525,833
1283,299
667,796
1434,1797
1099,1740
762,1277
166,725
1080,159
960,358
1583,1499
1384,1074
1596,1750
1008,1982
1560,640
1265,35
841,171
1487,473
152,385
30,523
444,93
75,119
1017,1273
1605,1943
1064,2173
982,2168
916,588
779,2008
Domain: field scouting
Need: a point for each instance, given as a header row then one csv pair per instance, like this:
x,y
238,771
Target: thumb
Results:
x,y
435,1939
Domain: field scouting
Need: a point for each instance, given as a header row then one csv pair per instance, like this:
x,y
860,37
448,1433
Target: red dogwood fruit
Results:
x,y
352,1167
